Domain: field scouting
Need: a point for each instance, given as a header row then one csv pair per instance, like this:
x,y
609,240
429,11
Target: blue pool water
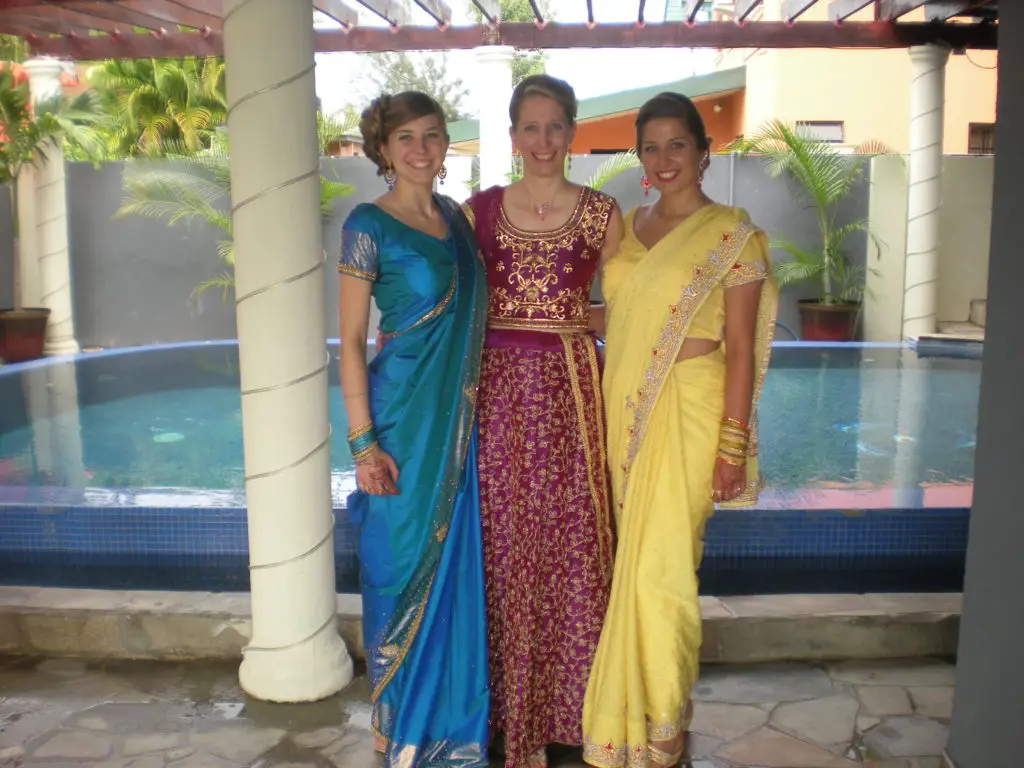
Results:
x,y
110,455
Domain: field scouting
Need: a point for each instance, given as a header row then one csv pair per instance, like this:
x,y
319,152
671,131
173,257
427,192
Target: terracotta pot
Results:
x,y
827,322
22,334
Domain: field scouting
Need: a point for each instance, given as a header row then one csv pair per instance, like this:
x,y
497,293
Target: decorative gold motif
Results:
x,y
673,333
359,255
741,274
532,293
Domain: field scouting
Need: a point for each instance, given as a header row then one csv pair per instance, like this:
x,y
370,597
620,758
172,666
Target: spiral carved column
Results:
x,y
295,653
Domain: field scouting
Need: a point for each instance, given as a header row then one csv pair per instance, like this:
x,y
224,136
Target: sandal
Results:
x,y
538,759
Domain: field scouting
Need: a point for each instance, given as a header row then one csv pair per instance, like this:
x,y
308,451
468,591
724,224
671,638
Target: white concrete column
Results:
x,y
493,93
457,184
924,196
28,242
51,229
295,653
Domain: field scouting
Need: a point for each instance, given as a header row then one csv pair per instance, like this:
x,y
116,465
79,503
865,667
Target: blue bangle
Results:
x,y
359,444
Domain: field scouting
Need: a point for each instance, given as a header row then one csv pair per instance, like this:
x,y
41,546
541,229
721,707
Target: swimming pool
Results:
x,y
125,468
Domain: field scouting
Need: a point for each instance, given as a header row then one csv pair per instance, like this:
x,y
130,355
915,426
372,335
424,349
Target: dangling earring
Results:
x,y
645,185
442,173
704,163
569,158
389,176
517,163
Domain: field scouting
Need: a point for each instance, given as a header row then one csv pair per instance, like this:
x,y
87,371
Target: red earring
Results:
x,y
645,185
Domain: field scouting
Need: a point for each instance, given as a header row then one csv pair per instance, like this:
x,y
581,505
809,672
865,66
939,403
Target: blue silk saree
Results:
x,y
421,564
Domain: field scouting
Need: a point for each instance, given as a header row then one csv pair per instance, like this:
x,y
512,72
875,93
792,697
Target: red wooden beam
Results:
x,y
841,10
715,34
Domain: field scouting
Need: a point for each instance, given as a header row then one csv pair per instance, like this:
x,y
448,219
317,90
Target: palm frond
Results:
x,y
225,281
612,167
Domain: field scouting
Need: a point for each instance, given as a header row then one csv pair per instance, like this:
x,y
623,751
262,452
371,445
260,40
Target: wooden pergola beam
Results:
x,y
841,10
942,11
794,9
490,9
692,9
176,12
439,10
891,10
720,34
335,9
391,11
744,8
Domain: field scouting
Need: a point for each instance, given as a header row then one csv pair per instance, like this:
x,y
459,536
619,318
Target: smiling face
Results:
x,y
417,149
670,154
542,135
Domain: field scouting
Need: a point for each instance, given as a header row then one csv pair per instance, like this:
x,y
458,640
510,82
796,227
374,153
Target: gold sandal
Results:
x,y
538,759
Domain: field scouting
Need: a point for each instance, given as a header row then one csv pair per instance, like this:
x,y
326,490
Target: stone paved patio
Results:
x,y
62,712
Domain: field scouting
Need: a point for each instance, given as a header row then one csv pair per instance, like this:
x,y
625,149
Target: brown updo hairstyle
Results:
x,y
543,85
387,113
675,106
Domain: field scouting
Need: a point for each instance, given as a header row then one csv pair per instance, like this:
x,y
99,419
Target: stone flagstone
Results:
x,y
823,721
771,749
907,737
894,673
239,743
70,745
935,702
761,684
726,721
884,700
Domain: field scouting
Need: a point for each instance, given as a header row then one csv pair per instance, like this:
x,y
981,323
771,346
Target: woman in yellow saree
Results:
x,y
690,315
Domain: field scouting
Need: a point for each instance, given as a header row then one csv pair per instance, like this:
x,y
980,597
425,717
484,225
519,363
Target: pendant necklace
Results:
x,y
542,210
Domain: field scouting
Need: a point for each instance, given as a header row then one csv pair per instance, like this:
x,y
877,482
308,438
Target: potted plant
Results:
x,y
826,177
27,137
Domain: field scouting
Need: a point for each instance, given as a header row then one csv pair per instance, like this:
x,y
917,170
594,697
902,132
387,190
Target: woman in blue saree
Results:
x,y
413,437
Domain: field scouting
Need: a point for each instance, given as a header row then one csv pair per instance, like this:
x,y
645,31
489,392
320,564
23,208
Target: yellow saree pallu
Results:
x,y
663,427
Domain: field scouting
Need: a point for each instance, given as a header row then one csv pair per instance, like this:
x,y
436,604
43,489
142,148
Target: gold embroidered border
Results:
x,y
345,269
538,324
673,334
467,211
741,274
403,651
595,471
437,309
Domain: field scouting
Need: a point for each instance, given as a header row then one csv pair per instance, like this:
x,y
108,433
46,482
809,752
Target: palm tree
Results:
x,y
155,104
28,135
825,177
196,186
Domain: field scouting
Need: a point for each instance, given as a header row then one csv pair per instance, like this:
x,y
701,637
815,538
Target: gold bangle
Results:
x,y
365,454
732,461
359,431
736,423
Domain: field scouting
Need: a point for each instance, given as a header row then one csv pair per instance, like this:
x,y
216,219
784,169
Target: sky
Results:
x,y
340,77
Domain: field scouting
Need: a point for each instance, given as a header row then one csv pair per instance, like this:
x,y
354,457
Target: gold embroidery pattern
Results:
x,y
534,264
663,355
597,473
546,587
354,272
741,274
437,310
399,655
359,255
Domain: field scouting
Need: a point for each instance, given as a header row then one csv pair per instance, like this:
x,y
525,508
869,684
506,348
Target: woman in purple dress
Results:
x,y
547,534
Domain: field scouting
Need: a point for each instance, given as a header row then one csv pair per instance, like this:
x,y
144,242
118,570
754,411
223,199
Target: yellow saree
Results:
x,y
663,426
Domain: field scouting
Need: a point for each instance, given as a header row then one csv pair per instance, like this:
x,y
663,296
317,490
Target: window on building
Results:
x,y
830,131
981,139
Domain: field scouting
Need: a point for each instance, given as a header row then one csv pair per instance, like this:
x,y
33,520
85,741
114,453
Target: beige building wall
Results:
x,y
964,223
868,90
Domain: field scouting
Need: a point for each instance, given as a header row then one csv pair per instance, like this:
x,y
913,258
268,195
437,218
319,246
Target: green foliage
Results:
x,y
825,177
398,71
196,187
150,105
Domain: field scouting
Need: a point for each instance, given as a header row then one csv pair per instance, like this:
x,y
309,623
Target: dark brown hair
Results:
x,y
543,85
678,107
387,113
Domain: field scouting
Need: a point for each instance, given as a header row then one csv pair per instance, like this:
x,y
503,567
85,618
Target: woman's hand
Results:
x,y
381,339
377,475
728,483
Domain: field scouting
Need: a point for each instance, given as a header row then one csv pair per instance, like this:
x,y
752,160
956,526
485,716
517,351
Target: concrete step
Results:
x,y
979,309
960,329
110,624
